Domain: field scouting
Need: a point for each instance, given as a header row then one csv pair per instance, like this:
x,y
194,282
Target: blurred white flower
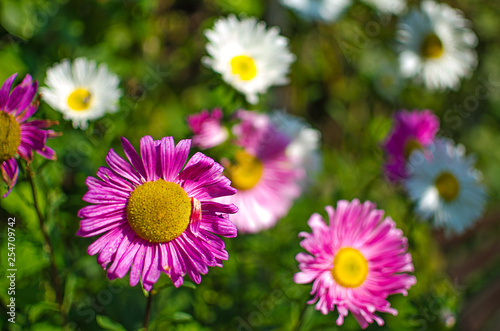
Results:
x,y
82,92
445,186
318,10
436,46
387,6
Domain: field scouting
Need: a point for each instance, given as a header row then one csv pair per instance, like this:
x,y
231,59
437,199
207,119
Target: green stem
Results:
x,y
368,186
47,247
301,317
147,312
409,221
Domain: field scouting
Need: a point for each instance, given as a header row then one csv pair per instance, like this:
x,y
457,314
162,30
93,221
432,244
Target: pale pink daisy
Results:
x,y
356,262
266,179
154,216
412,130
207,129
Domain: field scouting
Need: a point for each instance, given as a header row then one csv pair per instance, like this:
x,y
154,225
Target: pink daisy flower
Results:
x,y
19,137
265,177
207,129
412,130
356,262
156,216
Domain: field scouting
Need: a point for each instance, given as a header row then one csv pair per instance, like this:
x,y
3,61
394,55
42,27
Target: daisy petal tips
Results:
x,y
387,6
155,213
319,10
355,262
18,136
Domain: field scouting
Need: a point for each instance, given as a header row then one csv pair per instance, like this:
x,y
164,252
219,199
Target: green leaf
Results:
x,y
69,291
37,310
107,324
180,316
44,326
189,284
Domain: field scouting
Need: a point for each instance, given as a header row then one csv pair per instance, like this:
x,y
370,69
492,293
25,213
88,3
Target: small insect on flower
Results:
x,y
445,185
82,92
355,262
249,57
157,215
18,136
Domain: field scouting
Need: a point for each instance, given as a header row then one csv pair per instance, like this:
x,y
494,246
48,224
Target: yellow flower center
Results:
x,y
10,136
447,186
432,47
350,267
79,99
243,66
410,146
159,211
246,172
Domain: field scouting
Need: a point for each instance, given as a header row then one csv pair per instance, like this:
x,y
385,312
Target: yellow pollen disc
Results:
x,y
159,211
79,99
246,172
10,136
243,66
410,146
447,186
349,267
432,47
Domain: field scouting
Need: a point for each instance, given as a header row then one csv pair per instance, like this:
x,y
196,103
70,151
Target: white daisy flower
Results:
x,y
437,46
250,57
387,6
82,92
303,149
445,186
319,10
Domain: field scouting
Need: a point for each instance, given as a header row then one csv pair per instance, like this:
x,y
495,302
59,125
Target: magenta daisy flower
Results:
x,y
207,129
412,130
266,179
17,135
156,216
356,262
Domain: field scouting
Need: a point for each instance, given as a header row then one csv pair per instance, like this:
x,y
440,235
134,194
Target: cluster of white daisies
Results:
x,y
436,45
435,42
436,49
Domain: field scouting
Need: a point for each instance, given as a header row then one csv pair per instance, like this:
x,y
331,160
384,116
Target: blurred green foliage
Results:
x,y
156,48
